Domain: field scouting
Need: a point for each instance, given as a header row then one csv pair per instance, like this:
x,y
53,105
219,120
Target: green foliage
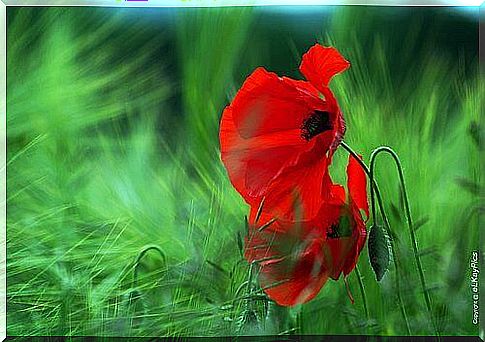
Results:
x,y
111,150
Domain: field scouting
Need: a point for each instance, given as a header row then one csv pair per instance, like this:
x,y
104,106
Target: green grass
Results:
x,y
111,150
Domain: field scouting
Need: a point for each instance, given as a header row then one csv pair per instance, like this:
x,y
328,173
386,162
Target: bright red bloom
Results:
x,y
296,258
278,135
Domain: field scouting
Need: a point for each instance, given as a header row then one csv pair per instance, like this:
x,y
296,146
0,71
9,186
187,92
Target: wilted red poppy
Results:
x,y
278,135
296,258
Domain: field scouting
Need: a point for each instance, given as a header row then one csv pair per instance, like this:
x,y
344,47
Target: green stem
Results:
x,y
407,208
140,256
375,189
362,291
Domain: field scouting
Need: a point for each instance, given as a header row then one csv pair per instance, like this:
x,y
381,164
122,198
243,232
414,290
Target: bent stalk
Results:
x,y
409,219
375,190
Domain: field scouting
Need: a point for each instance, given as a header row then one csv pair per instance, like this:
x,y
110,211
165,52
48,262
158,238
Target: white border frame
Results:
x,y
166,3
3,171
227,3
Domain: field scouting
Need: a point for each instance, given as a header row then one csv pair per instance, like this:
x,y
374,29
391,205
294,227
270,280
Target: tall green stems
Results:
x,y
414,241
375,189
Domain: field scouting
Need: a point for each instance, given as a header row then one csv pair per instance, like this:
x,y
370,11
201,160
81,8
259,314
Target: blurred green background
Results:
x,y
121,219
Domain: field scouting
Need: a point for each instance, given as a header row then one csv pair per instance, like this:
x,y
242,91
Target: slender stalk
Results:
x,y
375,189
362,291
138,259
407,208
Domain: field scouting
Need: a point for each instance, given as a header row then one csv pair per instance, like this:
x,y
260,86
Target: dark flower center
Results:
x,y
341,229
315,124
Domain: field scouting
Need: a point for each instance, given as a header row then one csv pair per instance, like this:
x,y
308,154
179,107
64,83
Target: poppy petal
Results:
x,y
297,285
336,254
267,103
246,160
260,132
357,184
332,107
320,64
261,244
359,236
303,86
338,232
297,194
290,258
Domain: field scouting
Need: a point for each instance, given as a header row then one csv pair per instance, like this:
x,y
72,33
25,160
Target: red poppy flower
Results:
x,y
296,258
278,135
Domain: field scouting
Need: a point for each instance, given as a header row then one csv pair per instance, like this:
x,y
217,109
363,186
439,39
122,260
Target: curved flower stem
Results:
x,y
362,291
407,208
140,256
374,188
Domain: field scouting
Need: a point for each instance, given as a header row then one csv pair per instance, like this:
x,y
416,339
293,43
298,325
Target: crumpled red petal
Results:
x,y
290,259
320,64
